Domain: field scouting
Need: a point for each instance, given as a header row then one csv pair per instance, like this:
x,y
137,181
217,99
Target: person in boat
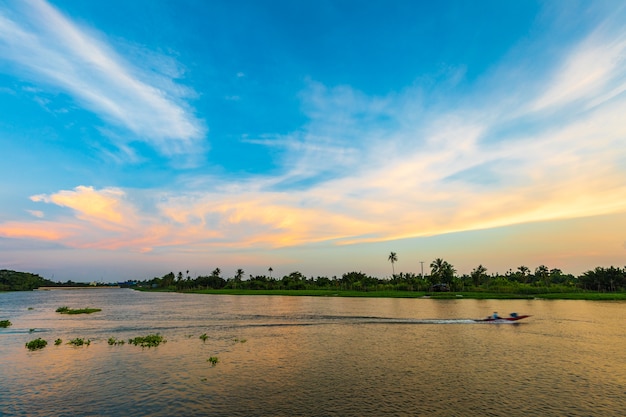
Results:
x,y
495,315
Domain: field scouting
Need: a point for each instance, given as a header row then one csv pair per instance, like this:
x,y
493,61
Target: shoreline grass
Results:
x,y
590,296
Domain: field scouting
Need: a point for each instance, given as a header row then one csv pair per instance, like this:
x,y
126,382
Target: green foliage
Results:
x,y
214,360
79,342
524,282
204,337
35,344
114,342
67,310
21,281
58,342
151,340
5,323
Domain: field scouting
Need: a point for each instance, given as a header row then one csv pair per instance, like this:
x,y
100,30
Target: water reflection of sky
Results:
x,y
310,356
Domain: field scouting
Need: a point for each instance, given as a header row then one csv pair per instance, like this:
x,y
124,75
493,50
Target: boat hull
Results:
x,y
502,319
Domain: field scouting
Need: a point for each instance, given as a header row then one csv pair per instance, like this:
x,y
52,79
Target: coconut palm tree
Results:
x,y
441,271
478,275
524,271
239,274
393,258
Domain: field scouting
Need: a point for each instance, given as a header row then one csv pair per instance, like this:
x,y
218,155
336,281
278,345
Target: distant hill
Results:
x,y
21,281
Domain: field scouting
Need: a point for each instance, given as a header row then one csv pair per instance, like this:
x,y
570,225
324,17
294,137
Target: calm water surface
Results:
x,y
310,356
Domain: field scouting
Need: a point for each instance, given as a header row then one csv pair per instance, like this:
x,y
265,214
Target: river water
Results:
x,y
310,356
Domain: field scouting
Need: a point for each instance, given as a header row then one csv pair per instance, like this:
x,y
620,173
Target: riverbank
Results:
x,y
593,296
83,287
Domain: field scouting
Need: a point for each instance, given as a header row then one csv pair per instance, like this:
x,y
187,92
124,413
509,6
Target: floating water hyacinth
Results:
x,y
151,340
67,310
35,344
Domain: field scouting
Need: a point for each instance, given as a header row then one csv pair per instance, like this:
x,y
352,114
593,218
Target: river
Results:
x,y
310,356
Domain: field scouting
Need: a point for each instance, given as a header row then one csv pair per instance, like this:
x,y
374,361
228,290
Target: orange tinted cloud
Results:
x,y
39,230
105,207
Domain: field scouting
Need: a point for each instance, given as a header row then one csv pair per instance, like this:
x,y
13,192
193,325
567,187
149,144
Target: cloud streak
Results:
x,y
47,47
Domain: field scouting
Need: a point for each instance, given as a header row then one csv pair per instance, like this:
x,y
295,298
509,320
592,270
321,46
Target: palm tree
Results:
x,y
543,273
524,272
393,258
442,271
478,275
239,274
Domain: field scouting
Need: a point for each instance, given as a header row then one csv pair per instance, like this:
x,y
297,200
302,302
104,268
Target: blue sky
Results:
x,y
145,137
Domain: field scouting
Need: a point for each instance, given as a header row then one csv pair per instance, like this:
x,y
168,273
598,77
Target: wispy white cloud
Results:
x,y
36,213
49,48
592,74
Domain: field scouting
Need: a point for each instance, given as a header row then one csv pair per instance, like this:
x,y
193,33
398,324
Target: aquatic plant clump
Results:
x,y
58,342
35,344
151,340
79,342
214,360
5,323
204,337
114,342
67,310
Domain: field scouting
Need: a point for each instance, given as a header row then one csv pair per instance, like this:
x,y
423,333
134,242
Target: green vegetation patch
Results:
x,y
213,360
114,342
204,337
5,323
591,296
67,310
36,344
79,342
151,340
58,342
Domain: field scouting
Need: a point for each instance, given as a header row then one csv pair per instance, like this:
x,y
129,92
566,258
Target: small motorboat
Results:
x,y
513,317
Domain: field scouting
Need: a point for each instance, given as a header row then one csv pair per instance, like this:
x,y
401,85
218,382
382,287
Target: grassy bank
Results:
x,y
417,294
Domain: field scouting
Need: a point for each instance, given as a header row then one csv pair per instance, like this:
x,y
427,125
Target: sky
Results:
x,y
143,137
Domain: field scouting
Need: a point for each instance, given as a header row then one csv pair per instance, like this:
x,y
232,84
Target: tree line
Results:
x,y
21,281
442,276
